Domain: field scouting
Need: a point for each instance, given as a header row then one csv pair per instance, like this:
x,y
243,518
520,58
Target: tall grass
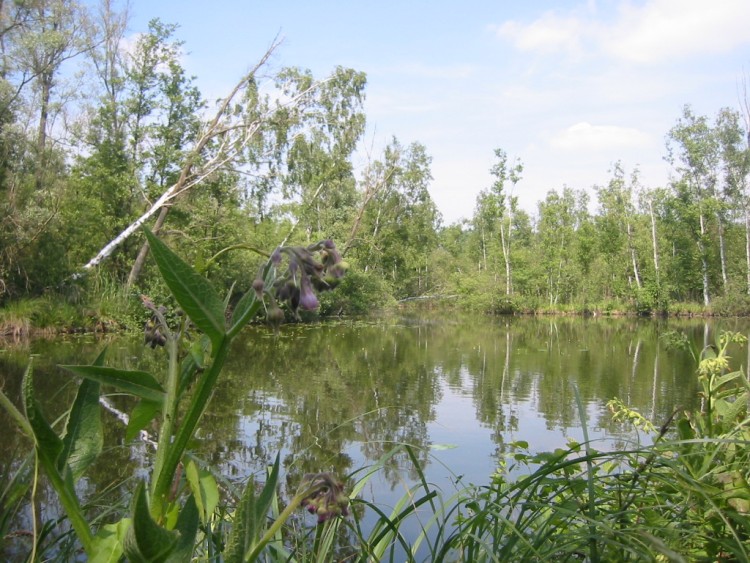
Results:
x,y
47,314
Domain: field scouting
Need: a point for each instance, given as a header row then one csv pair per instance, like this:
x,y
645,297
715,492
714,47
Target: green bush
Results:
x,y
734,304
359,293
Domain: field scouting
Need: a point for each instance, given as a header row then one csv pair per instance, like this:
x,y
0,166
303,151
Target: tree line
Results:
x,y
100,135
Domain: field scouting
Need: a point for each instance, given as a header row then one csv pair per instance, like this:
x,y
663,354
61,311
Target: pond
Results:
x,y
336,396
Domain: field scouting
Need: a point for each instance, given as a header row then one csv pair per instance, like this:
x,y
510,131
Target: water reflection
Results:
x,y
338,396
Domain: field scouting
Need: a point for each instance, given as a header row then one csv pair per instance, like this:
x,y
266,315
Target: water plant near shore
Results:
x,y
168,508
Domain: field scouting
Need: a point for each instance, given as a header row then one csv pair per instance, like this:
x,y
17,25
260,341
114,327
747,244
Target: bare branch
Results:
x,y
229,149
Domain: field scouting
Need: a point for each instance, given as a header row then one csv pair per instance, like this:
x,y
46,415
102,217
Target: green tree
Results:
x,y
399,226
38,38
735,156
616,226
507,205
322,134
694,151
556,232
164,116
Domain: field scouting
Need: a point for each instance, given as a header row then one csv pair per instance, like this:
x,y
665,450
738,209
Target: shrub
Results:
x,y
359,293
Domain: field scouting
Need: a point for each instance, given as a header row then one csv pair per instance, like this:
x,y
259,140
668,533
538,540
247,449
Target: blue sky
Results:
x,y
567,87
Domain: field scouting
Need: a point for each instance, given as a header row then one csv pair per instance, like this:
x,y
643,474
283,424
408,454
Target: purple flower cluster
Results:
x,y
309,270
324,496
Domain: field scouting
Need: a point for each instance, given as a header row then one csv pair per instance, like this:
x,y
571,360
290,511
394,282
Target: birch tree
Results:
x,y
221,144
506,205
735,156
693,151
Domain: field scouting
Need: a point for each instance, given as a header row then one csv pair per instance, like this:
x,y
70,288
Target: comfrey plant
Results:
x,y
173,511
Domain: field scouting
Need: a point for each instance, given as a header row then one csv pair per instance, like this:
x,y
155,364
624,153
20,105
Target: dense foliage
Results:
x,y
96,136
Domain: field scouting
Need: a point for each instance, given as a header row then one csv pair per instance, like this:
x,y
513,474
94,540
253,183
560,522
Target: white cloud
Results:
x,y
651,32
661,30
585,136
549,33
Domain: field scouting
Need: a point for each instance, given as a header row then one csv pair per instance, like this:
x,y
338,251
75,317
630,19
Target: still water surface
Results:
x,y
336,396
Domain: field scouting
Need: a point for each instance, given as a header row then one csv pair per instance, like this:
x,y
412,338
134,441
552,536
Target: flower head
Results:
x,y
307,300
324,496
276,257
258,286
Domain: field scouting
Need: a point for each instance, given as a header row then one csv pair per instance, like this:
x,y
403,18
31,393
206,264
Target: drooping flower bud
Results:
x,y
258,286
307,300
276,257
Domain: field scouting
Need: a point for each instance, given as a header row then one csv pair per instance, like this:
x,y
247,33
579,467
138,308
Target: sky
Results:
x,y
568,87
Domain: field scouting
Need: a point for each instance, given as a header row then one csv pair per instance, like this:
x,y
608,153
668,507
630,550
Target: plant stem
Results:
x,y
168,420
276,525
203,390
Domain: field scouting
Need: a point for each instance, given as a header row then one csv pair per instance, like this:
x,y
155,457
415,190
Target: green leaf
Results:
x,y
250,517
48,443
84,437
724,379
108,542
187,525
267,494
143,413
146,541
191,290
204,488
139,383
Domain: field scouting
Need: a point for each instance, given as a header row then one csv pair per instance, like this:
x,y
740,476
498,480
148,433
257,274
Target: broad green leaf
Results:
x,y
146,541
730,410
139,383
84,437
187,526
143,413
48,443
724,379
108,542
48,448
244,534
192,291
204,488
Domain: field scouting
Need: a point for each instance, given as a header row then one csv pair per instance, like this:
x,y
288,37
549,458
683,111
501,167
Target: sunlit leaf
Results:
x,y
441,447
204,488
192,291
139,383
143,413
108,542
